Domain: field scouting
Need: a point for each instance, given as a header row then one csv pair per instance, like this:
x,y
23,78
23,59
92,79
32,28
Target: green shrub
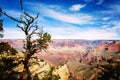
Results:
x,y
36,77
6,69
50,76
5,47
110,73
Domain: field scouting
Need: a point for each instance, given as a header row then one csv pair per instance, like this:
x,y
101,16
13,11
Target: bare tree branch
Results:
x,y
28,21
19,21
20,27
0,11
30,27
33,32
21,5
11,17
1,25
37,16
31,18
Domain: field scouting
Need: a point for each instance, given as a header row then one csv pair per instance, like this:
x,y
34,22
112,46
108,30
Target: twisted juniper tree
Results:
x,y
27,24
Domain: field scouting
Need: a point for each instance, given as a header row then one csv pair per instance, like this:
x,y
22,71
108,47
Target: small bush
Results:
x,y
49,76
110,72
36,77
5,47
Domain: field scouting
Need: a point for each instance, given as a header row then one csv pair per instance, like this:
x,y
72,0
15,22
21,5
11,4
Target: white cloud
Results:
x,y
99,34
65,17
106,18
69,18
77,33
13,33
115,7
66,33
61,14
115,27
100,2
104,26
76,7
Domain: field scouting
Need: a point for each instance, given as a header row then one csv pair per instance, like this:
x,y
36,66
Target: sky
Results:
x,y
67,19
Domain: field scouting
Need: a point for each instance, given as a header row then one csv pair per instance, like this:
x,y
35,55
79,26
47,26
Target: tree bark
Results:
x,y
26,71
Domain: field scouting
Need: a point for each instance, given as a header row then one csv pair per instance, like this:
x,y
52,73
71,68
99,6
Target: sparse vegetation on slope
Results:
x,y
5,47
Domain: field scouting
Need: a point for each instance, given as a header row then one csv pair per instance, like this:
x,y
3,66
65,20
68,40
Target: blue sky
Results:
x,y
67,19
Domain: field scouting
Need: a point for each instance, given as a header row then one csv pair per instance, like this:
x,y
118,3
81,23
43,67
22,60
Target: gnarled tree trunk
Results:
x,y
30,28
